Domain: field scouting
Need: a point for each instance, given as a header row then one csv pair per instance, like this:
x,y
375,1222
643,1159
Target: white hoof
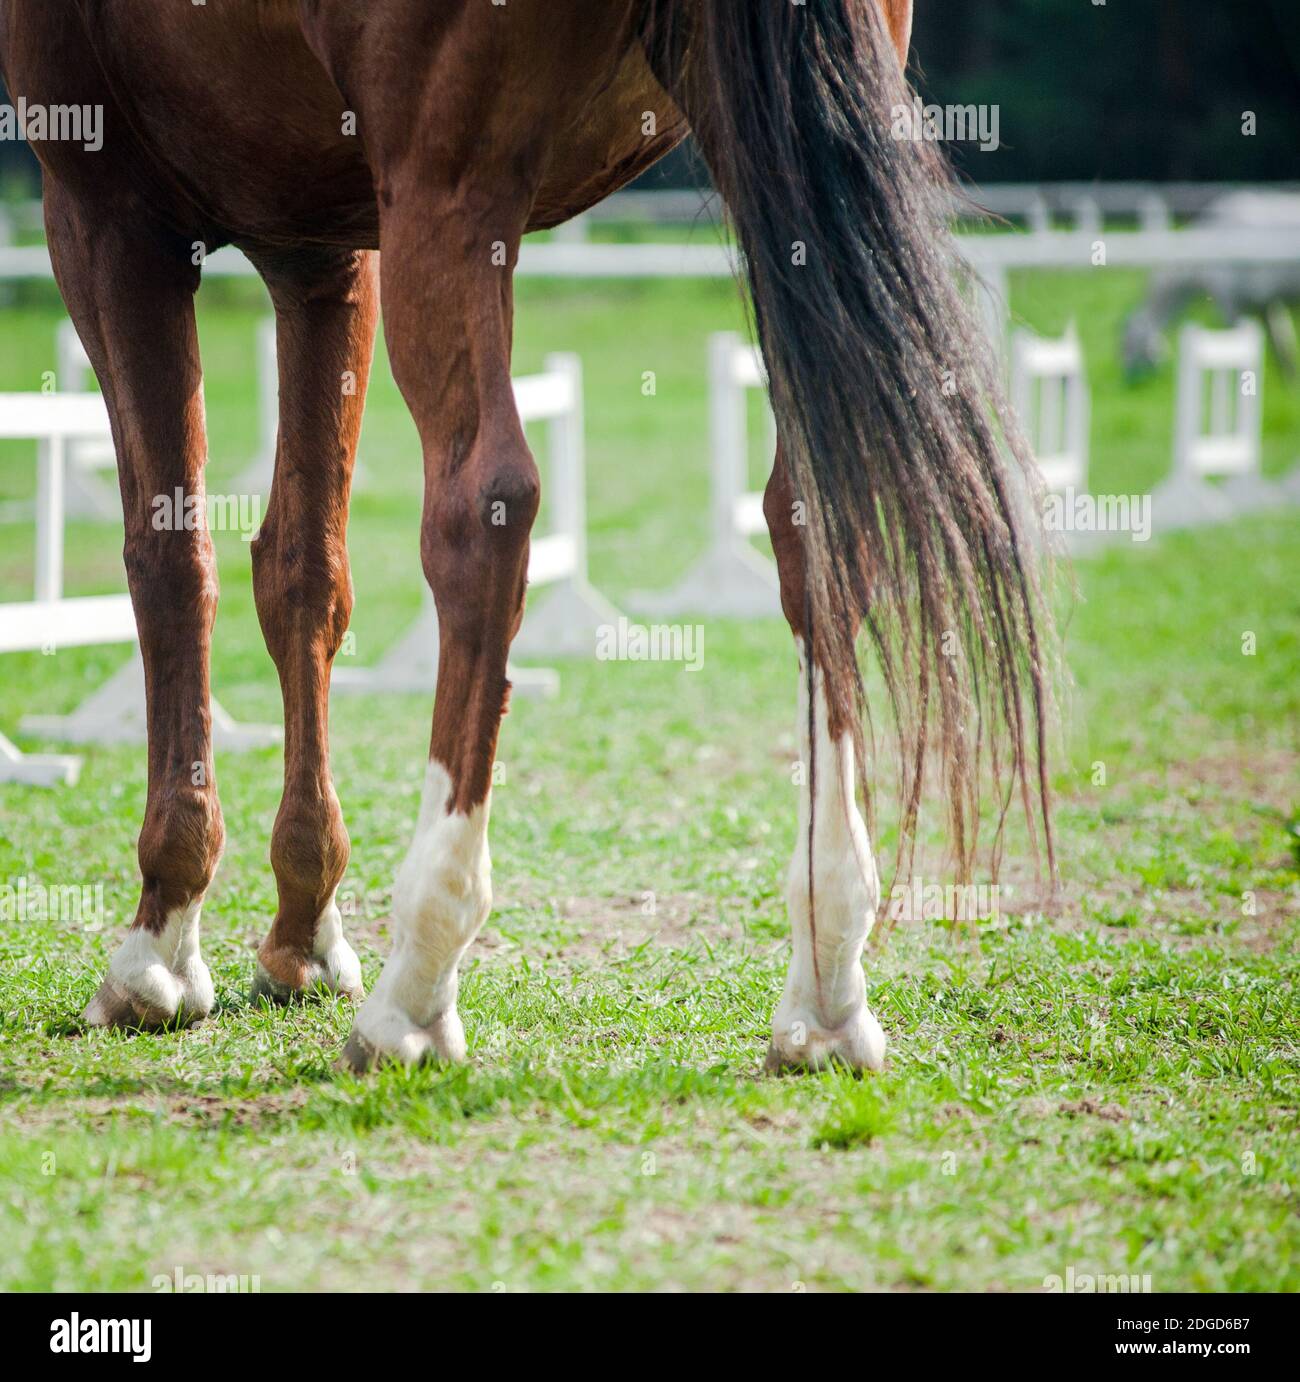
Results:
x,y
803,1044
383,1032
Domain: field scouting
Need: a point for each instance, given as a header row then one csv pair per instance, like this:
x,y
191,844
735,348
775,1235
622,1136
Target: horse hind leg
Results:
x,y
482,491
832,889
129,287
326,305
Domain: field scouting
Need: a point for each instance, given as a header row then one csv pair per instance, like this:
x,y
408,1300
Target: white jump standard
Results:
x,y
49,621
731,579
1223,444
114,713
566,621
1049,391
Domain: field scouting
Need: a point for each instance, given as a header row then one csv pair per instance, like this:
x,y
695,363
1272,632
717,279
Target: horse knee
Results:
x,y
509,496
169,572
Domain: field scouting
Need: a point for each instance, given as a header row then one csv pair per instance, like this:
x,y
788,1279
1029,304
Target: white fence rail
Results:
x,y
1061,249
48,622
566,621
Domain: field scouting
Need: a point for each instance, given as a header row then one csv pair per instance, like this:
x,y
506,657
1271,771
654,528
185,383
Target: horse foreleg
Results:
x,y
832,889
326,304
129,286
447,316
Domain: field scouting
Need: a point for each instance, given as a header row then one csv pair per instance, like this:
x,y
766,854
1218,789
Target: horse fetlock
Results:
x,y
330,965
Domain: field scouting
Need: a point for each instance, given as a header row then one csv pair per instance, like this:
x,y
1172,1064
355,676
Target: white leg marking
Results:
x,y
823,1012
163,977
335,967
340,968
442,896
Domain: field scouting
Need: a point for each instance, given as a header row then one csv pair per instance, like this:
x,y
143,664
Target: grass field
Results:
x,y
1108,1084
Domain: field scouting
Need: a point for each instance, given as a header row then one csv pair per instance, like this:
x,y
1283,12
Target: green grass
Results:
x,y
1109,1083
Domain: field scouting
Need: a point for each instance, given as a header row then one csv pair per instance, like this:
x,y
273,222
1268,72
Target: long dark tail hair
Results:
x,y
887,397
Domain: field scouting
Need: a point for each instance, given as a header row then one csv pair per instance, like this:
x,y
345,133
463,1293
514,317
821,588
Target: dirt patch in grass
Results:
x,y
604,928
1164,809
1264,777
1094,1108
202,1112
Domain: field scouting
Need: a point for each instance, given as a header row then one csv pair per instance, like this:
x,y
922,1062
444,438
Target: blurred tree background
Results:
x,y
1143,90
1151,90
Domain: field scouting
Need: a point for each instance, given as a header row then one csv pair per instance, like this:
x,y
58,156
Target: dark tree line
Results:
x,y
1132,89
1147,90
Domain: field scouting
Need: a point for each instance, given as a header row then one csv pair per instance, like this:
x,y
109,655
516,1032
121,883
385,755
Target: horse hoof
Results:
x,y
114,1005
318,983
289,978
798,1046
155,979
383,1034
358,1056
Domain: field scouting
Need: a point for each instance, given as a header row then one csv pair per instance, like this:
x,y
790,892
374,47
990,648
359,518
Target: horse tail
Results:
x,y
887,397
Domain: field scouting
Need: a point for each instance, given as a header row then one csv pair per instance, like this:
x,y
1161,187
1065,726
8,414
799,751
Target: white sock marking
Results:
x,y
166,971
442,896
823,1007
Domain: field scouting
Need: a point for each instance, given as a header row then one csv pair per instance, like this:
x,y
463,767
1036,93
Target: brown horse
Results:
x,y
312,133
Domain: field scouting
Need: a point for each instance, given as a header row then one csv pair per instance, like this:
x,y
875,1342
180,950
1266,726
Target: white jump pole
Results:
x,y
257,475
85,496
565,621
731,579
116,711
